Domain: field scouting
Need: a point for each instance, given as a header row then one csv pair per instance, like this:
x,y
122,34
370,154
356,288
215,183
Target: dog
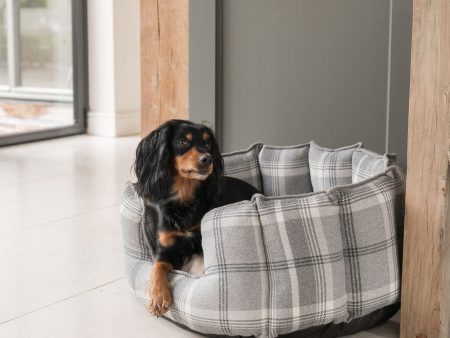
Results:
x,y
179,171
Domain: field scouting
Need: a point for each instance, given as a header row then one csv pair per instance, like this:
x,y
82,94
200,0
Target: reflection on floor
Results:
x,y
60,244
25,116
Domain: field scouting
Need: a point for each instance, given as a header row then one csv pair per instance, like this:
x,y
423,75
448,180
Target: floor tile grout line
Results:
x,y
59,142
121,161
35,180
59,175
100,286
59,219
60,301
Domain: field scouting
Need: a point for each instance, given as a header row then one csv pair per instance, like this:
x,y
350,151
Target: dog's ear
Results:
x,y
153,165
217,172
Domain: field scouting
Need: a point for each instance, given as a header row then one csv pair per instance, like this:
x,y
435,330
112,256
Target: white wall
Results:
x,y
114,67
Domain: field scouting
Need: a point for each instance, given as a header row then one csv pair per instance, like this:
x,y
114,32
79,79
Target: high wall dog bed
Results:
x,y
316,256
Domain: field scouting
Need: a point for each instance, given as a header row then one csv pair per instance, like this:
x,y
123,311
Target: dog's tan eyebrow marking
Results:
x,y
189,137
206,136
168,238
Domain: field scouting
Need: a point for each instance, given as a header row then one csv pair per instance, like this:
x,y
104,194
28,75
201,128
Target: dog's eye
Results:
x,y
208,143
182,143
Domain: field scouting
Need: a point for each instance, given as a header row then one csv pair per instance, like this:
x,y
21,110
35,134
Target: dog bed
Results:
x,y
317,255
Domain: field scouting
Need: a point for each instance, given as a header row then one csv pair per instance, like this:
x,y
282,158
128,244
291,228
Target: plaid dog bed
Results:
x,y
281,264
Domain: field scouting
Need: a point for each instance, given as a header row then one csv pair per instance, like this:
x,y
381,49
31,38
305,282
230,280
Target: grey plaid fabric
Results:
x,y
136,253
244,165
366,163
300,244
369,236
285,170
399,175
266,253
330,167
275,265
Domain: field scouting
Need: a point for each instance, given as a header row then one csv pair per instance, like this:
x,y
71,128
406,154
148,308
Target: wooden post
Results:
x,y
164,62
425,292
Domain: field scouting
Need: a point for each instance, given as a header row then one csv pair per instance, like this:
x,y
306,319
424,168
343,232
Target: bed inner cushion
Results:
x,y
366,163
285,170
330,167
244,165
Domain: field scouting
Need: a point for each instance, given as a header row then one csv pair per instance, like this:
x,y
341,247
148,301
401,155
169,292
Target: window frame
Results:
x,y
80,78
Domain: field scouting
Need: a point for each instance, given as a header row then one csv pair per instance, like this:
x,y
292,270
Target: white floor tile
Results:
x,y
93,314
46,264
25,163
54,198
118,288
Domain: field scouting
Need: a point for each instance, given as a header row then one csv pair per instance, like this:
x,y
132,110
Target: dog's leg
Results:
x,y
160,295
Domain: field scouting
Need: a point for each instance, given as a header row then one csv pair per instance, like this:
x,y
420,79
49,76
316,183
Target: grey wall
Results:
x,y
288,71
202,61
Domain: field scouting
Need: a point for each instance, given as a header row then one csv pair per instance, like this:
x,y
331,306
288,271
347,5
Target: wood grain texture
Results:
x,y
164,62
426,264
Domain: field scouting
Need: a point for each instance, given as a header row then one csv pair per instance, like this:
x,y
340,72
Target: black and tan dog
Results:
x,y
179,171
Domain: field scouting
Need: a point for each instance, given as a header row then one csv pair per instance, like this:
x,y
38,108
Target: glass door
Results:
x,y
43,90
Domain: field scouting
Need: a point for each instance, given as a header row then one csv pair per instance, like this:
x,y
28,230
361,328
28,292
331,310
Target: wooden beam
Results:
x,y
426,257
164,62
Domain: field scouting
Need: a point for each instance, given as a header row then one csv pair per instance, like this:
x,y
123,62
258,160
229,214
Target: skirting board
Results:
x,y
120,123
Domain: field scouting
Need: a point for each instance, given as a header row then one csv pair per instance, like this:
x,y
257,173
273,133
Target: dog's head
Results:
x,y
177,148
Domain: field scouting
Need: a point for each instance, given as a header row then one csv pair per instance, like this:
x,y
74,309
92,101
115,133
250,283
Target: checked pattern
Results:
x,y
330,167
280,264
244,165
366,163
368,226
285,170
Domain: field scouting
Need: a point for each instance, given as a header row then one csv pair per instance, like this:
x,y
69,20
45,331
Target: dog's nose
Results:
x,y
205,159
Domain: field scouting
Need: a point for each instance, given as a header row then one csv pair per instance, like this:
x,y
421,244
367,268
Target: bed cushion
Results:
x,y
368,227
366,163
330,167
244,165
302,243
285,170
322,264
265,253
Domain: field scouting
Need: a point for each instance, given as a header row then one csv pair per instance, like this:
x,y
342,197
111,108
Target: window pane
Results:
x,y
3,45
28,116
46,43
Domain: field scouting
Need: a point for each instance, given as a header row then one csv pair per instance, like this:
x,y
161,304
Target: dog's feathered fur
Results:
x,y
179,171
154,161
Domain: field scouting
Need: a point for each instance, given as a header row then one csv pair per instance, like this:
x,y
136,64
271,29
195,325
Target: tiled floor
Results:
x,y
60,244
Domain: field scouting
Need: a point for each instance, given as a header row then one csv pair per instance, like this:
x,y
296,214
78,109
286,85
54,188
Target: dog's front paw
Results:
x,y
160,300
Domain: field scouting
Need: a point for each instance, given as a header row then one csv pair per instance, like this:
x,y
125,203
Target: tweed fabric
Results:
x,y
330,167
275,265
369,236
268,251
244,165
400,177
300,243
285,170
366,163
